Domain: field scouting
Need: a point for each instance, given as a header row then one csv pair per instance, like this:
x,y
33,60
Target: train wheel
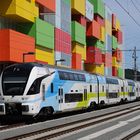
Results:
x,y
46,111
93,106
121,101
125,100
102,103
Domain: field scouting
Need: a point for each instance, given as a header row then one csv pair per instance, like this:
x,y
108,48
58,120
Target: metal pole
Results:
x,y
135,63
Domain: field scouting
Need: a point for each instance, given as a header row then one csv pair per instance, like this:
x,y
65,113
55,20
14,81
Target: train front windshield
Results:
x,y
14,79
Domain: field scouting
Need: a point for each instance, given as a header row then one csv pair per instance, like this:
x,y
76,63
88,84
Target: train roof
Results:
x,y
33,64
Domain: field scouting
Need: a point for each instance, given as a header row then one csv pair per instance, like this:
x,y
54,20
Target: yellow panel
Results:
x,y
102,37
78,6
21,10
98,69
108,27
118,26
84,55
46,55
80,49
114,62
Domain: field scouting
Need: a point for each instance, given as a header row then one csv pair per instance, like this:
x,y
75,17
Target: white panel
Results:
x,y
89,10
108,14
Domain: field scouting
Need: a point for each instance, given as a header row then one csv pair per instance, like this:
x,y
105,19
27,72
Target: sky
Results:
x,y
130,29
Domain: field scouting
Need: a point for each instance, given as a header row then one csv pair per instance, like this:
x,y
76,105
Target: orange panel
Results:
x,y
14,45
93,29
76,61
4,41
49,4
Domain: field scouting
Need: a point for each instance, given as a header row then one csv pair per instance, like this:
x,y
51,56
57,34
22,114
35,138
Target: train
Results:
x,y
33,89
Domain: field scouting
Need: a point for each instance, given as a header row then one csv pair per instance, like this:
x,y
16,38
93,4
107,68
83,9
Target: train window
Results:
x,y
102,88
122,89
73,97
90,88
76,77
43,92
112,95
111,81
35,88
131,94
130,83
71,76
59,92
66,76
52,87
82,77
61,75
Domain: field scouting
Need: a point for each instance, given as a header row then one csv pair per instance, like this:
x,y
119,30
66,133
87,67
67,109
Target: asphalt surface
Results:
x,y
110,130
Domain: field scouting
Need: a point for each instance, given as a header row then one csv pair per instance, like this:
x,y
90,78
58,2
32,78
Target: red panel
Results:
x,y
76,61
103,58
119,36
113,21
118,54
4,47
14,44
47,5
108,60
99,19
81,19
94,55
114,71
93,29
62,41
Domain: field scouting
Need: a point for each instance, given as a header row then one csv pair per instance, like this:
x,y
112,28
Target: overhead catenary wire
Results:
x,y
135,6
128,13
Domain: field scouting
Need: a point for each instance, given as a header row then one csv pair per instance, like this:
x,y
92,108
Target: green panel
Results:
x,y
26,28
44,34
96,43
99,7
78,33
42,31
99,44
114,42
120,72
67,2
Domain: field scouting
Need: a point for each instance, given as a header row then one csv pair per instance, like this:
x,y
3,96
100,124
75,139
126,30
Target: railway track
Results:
x,y
132,135
11,126
55,128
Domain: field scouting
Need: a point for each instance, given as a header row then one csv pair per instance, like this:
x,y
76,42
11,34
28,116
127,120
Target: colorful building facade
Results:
x,y
78,34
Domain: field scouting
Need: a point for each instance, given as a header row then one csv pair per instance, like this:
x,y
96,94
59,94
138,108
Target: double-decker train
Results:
x,y
36,89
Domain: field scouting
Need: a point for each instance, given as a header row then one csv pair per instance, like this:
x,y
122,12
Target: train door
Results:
x,y
85,96
60,98
43,92
123,89
107,92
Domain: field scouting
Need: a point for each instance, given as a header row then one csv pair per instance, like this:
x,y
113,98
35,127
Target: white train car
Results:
x,y
137,90
131,90
32,89
112,90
